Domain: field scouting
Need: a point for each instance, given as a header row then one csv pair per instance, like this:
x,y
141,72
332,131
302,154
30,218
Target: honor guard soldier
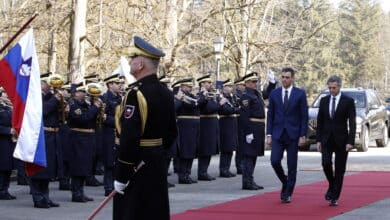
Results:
x,y
172,150
82,140
253,125
111,100
7,143
228,132
64,178
147,128
98,147
40,181
240,89
209,134
188,123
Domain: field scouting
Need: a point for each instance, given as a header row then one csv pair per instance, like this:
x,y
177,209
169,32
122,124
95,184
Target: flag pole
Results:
x,y
17,33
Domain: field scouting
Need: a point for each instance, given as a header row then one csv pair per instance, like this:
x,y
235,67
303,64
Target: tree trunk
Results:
x,y
77,41
171,31
52,52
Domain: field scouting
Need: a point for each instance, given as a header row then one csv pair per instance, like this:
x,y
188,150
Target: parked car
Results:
x,y
372,119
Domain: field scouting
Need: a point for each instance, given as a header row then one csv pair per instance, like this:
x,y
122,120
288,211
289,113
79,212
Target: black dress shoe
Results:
x,y
41,205
78,199
333,202
206,177
93,182
53,204
170,185
88,199
258,186
185,181
286,199
249,187
7,196
227,174
192,180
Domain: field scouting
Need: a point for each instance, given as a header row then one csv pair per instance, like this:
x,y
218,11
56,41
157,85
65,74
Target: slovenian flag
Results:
x,y
20,78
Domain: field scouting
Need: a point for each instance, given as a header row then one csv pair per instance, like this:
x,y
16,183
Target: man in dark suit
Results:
x,y
287,119
336,127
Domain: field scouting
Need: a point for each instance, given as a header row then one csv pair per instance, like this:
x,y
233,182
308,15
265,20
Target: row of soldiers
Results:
x,y
76,125
219,121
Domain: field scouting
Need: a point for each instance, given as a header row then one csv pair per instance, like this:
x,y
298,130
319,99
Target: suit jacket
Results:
x,y
342,127
294,118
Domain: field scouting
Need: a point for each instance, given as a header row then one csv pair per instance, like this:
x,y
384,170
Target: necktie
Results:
x,y
285,99
333,107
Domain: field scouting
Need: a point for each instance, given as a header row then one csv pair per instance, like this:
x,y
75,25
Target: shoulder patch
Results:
x,y
245,102
128,111
78,111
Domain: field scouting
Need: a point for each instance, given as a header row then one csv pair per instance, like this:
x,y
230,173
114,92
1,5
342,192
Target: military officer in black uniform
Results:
x,y
111,99
253,119
188,123
209,105
147,129
228,133
7,146
40,181
172,150
239,90
82,139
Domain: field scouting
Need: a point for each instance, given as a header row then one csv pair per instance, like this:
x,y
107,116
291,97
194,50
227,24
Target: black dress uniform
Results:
x,y
253,124
7,147
240,134
111,100
209,131
147,128
40,181
188,123
82,139
228,134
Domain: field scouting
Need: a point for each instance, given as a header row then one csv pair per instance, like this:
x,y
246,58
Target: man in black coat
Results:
x,y
40,181
336,127
7,148
111,99
147,128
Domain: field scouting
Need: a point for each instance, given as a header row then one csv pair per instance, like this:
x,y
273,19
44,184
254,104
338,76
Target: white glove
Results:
x,y
271,76
249,138
120,187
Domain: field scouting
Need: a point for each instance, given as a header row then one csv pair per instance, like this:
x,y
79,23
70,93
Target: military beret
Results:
x,y
145,49
112,78
253,76
239,82
205,78
227,82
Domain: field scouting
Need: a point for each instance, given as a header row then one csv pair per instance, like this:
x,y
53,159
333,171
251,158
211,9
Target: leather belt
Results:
x,y
209,116
83,130
229,116
51,129
187,117
257,120
156,142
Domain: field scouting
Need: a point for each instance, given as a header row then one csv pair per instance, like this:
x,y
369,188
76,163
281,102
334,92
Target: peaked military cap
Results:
x,y
239,81
205,78
144,48
45,76
253,76
164,79
79,87
184,82
91,78
227,82
112,78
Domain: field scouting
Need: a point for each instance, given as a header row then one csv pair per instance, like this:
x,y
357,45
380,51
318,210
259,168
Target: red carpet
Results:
x,y
308,201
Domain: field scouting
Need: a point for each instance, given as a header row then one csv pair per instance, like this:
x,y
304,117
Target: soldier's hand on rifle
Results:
x,y
120,187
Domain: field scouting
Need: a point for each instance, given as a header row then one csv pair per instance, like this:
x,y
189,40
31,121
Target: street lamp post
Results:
x,y
218,49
